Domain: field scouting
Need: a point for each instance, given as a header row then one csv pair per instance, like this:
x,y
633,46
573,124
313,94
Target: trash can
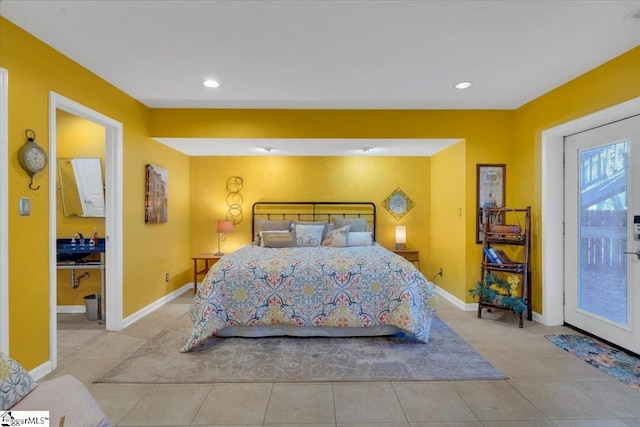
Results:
x,y
93,306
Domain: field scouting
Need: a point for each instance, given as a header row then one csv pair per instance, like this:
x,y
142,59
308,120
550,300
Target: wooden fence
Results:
x,y
603,240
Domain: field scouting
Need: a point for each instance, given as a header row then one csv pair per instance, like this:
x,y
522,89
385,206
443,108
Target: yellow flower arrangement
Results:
x,y
513,282
504,292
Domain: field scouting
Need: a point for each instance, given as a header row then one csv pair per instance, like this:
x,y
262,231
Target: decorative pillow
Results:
x,y
356,224
359,238
325,224
309,235
337,238
269,225
15,382
263,233
278,239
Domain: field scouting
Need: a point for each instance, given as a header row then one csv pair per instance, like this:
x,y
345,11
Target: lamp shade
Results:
x,y
225,226
401,237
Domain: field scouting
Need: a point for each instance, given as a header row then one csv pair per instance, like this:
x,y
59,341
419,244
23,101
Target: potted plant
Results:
x,y
502,292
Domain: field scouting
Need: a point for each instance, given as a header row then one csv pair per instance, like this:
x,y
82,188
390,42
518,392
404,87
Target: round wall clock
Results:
x,y
398,203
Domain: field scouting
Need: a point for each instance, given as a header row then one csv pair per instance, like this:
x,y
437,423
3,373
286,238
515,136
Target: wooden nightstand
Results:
x,y
209,260
412,255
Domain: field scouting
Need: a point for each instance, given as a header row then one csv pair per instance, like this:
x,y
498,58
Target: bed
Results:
x,y
313,269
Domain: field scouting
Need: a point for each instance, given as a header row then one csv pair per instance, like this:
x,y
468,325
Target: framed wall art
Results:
x,y
490,192
156,195
398,204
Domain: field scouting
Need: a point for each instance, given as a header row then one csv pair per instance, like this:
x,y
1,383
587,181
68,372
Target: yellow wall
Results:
x,y
448,231
612,83
151,250
35,69
270,178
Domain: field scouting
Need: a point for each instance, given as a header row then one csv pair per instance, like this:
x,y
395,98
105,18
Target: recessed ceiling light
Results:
x,y
463,85
210,83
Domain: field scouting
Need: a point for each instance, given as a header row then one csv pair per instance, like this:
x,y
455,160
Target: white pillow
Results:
x,y
309,235
325,224
359,238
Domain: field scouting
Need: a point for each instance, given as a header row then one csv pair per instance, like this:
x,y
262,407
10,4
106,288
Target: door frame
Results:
x,y
113,215
4,211
552,206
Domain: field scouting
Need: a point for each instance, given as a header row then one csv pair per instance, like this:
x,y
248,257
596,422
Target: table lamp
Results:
x,y
223,228
401,237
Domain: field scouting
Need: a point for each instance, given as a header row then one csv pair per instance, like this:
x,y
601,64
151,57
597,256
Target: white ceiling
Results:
x,y
333,54
308,146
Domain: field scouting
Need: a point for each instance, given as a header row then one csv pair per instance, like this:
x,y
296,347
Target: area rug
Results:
x,y
286,359
614,362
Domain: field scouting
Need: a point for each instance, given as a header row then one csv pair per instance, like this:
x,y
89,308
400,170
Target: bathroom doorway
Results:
x,y
80,159
113,135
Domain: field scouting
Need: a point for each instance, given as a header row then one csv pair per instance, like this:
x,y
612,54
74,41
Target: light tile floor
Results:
x,y
546,386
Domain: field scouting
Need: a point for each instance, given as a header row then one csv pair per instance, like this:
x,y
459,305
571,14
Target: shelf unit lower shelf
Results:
x,y
521,269
489,306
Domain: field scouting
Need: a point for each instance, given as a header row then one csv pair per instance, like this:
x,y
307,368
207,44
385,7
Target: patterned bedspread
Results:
x,y
358,286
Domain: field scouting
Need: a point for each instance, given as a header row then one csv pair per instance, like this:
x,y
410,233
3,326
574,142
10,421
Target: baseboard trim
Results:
x,y
537,317
41,371
66,309
156,304
455,300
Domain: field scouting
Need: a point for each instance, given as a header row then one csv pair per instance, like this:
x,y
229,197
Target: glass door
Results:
x,y
602,270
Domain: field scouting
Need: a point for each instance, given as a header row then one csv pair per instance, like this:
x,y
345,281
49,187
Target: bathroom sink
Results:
x,y
71,256
68,252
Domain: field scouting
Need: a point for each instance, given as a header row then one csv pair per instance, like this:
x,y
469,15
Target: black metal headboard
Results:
x,y
313,211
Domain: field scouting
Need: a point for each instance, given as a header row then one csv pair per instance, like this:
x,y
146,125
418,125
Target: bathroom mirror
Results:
x,y
81,187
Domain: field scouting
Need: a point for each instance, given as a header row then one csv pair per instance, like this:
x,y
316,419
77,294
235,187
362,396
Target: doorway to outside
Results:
x,y
113,215
552,203
602,197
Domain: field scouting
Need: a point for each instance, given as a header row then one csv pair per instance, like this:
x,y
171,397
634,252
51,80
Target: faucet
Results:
x,y
80,237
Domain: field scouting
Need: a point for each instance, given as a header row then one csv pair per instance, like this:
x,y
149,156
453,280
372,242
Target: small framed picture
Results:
x,y
156,195
490,192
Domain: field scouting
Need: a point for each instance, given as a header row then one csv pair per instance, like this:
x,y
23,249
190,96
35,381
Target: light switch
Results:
x,y
25,206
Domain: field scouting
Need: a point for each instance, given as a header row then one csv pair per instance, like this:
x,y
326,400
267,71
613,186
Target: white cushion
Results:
x,y
360,238
309,235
